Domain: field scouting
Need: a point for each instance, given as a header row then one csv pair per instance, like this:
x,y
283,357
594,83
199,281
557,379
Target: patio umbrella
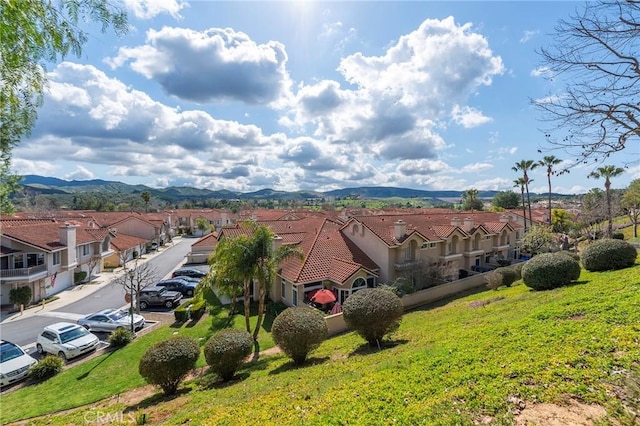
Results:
x,y
337,308
323,296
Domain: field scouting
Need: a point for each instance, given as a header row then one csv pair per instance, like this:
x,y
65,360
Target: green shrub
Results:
x,y
617,236
120,337
20,296
571,254
190,309
550,270
517,268
78,277
501,277
605,255
226,350
392,288
299,331
166,363
180,313
47,367
373,313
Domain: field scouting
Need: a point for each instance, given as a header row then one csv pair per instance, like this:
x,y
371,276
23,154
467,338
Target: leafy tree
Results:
x,y
506,200
524,166
539,239
34,32
202,224
595,52
146,199
631,202
20,296
521,183
470,200
607,172
561,220
549,161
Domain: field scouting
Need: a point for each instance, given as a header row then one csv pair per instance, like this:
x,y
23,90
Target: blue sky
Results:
x,y
307,95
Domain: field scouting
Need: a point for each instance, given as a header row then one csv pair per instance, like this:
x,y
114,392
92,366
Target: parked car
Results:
x,y
186,287
189,272
110,319
159,296
67,340
14,363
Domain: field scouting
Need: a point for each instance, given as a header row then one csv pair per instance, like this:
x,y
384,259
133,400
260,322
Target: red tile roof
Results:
x,y
209,240
125,242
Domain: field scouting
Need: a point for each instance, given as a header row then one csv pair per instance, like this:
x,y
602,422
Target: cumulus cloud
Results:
x,y
147,9
468,117
81,173
476,167
541,72
528,35
210,65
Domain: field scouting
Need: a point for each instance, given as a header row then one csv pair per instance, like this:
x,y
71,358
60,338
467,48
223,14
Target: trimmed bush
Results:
x,y
20,296
120,337
501,277
195,311
617,236
78,277
226,350
517,268
607,255
373,313
550,270
571,254
47,367
166,363
299,331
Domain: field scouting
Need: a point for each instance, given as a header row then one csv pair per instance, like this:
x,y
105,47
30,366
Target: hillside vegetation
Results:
x,y
481,358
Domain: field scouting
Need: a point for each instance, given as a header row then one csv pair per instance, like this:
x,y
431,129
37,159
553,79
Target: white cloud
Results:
x,y
476,167
210,65
507,150
147,9
494,184
528,35
468,117
81,173
22,166
541,72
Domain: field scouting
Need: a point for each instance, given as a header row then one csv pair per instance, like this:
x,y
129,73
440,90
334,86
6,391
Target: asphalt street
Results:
x,y
24,332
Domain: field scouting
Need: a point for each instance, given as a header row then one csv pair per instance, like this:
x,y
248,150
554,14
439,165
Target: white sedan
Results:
x,y
66,340
14,363
111,319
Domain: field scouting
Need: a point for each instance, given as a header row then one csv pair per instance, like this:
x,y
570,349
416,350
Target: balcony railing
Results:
x,y
22,272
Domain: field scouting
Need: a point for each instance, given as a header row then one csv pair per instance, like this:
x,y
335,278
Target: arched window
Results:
x,y
476,242
358,284
354,229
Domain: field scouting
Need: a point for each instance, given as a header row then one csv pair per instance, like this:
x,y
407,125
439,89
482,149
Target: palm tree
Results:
x,y
472,195
549,161
607,172
520,182
524,166
146,198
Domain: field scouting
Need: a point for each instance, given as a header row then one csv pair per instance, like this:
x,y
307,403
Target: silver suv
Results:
x,y
158,296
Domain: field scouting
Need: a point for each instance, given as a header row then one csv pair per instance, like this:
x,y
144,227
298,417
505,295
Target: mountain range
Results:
x,y
51,185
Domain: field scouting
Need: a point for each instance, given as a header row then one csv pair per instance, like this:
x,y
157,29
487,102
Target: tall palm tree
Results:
x,y
549,161
472,195
607,172
520,182
524,166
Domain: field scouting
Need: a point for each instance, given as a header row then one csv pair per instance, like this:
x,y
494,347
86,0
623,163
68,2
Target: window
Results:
x,y
283,289
18,261
35,259
85,249
294,296
56,257
371,282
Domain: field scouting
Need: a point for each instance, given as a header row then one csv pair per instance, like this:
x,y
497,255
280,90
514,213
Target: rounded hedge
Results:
x,y
166,363
47,367
606,255
517,269
499,277
226,350
550,270
299,331
373,313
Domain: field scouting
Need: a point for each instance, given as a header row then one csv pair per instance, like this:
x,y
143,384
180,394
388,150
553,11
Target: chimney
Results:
x,y
504,219
468,223
400,229
68,238
456,221
276,243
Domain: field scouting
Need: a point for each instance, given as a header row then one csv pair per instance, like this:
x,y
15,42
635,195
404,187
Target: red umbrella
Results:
x,y
323,296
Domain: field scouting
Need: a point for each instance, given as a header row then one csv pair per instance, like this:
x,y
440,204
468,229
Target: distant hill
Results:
x,y
51,185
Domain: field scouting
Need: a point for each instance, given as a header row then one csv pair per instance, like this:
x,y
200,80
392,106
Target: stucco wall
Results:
x,y
336,323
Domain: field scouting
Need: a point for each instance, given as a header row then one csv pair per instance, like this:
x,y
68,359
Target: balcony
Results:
x,y
407,265
32,273
450,257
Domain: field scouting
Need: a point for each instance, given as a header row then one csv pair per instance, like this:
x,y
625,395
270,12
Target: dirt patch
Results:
x,y
481,303
574,413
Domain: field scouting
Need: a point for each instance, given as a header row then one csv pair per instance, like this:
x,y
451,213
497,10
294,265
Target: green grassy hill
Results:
x,y
480,358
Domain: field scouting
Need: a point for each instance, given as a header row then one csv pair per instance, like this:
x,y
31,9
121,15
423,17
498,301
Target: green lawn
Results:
x,y
449,364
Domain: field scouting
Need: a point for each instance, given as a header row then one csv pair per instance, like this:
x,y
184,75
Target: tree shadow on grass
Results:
x,y
86,373
210,380
291,366
155,399
366,349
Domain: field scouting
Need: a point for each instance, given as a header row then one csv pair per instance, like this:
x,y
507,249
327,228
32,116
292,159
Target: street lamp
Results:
x,y
131,276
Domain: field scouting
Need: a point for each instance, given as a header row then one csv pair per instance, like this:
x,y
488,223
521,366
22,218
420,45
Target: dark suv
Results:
x,y
189,272
159,296
187,288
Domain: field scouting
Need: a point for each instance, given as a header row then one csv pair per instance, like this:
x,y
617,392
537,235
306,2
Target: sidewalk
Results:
x,y
73,293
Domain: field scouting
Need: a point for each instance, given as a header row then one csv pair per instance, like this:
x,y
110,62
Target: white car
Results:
x,y
66,340
14,363
110,320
